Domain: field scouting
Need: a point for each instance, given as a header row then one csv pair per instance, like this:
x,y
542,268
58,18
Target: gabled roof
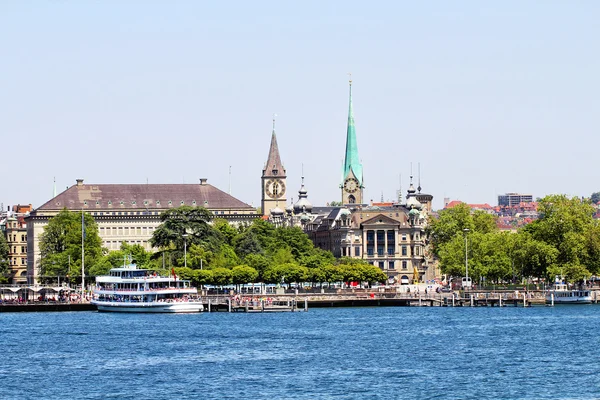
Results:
x,y
142,196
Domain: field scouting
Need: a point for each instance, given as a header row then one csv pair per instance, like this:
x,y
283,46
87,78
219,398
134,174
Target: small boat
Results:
x,y
135,290
560,293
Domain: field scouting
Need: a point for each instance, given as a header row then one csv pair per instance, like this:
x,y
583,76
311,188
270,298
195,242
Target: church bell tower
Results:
x,y
273,180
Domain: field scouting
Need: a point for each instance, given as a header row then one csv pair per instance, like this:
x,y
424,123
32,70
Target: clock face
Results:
x,y
275,188
351,185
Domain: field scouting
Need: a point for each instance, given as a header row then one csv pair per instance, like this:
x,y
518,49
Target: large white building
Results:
x,y
129,212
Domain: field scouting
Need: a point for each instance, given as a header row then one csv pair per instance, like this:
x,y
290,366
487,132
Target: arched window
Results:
x,y
351,199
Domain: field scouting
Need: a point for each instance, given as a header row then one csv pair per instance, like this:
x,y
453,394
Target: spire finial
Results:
x,y
419,175
274,115
350,78
54,192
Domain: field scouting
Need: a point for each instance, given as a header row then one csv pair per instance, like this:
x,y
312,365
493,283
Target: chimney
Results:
x,y
203,181
79,182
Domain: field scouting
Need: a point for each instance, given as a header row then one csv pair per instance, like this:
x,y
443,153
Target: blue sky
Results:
x,y
490,97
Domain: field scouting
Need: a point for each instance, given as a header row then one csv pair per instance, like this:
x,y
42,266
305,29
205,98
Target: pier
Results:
x,y
294,302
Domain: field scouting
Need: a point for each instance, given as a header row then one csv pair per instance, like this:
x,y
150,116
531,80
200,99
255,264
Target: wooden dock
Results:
x,y
294,302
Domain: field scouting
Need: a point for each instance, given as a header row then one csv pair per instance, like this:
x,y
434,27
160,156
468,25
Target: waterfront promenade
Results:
x,y
342,298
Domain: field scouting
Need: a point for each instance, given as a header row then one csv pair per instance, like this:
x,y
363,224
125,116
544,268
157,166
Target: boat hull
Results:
x,y
583,300
153,307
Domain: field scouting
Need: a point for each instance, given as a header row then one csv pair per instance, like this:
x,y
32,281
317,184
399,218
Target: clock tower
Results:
x,y
352,175
273,182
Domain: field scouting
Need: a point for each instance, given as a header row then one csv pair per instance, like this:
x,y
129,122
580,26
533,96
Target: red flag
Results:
x,y
173,272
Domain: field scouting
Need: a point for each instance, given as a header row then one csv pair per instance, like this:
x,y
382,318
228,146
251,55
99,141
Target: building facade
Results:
x,y
129,213
15,231
513,199
391,237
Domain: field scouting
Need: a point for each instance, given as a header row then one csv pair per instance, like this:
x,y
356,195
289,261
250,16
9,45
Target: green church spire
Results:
x,y
352,162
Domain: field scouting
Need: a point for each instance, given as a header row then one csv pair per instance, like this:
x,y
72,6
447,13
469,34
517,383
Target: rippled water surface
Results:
x,y
351,353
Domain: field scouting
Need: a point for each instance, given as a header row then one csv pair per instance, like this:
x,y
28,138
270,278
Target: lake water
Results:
x,y
349,353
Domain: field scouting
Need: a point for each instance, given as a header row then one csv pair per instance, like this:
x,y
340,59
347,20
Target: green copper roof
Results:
x,y
352,161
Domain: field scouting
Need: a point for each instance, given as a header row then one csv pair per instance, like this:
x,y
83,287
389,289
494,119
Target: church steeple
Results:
x,y
352,174
273,165
273,180
351,161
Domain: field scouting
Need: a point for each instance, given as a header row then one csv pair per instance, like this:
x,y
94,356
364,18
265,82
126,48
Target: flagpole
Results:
x,y
82,256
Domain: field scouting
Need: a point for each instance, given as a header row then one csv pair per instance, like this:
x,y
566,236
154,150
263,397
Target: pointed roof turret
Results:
x,y
351,161
273,165
302,205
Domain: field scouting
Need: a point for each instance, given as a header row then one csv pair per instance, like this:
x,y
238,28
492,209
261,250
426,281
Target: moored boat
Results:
x,y
560,293
131,289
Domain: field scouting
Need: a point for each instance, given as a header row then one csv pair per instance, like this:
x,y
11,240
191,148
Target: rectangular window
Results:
x,y
370,250
357,251
404,251
381,265
404,237
391,265
404,265
390,251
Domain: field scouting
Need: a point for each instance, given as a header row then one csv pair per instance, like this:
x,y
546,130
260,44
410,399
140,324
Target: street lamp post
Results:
x,y
185,235
466,231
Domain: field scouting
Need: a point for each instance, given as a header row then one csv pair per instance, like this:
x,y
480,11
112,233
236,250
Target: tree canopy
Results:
x,y
4,261
564,240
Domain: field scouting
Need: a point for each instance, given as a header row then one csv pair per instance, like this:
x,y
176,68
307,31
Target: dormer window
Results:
x,y
110,203
133,203
182,202
194,202
158,202
170,203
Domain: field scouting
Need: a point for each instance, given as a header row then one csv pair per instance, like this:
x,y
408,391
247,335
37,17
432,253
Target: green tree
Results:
x,y
248,243
190,221
257,261
373,274
202,277
244,274
4,261
595,198
60,245
295,239
451,223
221,276
228,232
567,224
317,258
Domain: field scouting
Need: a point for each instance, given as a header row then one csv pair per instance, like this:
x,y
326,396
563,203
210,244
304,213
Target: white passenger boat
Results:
x,y
129,289
560,293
